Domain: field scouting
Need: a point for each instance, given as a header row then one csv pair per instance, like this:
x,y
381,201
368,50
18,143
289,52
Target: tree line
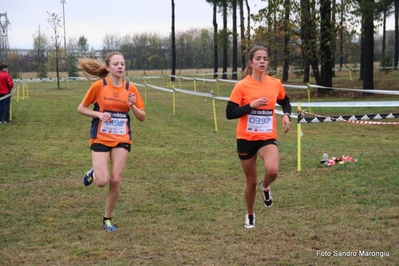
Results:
x,y
312,36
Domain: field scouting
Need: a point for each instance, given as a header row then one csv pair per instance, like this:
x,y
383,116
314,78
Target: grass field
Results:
x,y
182,192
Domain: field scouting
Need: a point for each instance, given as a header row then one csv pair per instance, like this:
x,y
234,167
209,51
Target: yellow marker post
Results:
x,y
18,93
299,140
23,91
195,84
168,82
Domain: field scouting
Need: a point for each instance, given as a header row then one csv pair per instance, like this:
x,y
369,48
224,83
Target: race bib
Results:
x,y
117,126
260,121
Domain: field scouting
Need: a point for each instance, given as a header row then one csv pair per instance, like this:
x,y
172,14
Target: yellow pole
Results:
x,y
174,101
195,84
214,112
23,92
18,93
299,140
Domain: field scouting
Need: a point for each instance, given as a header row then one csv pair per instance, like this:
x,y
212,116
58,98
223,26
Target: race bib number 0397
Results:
x,y
260,121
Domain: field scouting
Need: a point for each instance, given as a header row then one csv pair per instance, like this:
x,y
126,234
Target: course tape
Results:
x,y
10,94
357,119
358,90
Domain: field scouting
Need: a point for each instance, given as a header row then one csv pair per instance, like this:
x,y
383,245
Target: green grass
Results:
x,y
182,193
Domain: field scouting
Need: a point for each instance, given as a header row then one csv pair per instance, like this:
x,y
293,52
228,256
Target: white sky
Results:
x,y
94,19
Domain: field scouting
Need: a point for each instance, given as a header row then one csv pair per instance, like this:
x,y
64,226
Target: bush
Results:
x,y
386,62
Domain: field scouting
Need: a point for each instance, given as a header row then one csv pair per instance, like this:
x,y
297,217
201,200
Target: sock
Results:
x,y
264,189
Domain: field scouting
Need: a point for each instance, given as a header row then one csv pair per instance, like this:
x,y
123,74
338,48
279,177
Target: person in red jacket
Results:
x,y
110,134
6,84
253,101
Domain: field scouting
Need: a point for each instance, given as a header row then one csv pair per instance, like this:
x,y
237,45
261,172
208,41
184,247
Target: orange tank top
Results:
x,y
113,100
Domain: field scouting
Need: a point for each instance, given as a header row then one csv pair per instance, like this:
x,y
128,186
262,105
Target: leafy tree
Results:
x,y
13,62
83,46
73,52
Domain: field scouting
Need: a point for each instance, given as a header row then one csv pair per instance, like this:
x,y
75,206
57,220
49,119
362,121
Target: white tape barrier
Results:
x,y
350,104
10,94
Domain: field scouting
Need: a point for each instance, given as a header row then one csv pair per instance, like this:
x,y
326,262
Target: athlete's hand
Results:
x,y
286,123
105,117
132,98
259,103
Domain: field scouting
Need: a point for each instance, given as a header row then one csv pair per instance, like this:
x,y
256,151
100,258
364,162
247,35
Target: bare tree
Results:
x,y
54,21
40,46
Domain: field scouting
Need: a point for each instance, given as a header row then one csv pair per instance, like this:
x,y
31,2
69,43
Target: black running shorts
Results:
x,y
97,147
246,149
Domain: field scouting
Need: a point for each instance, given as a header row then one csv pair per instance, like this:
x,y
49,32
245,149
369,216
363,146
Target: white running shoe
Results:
x,y
249,221
267,195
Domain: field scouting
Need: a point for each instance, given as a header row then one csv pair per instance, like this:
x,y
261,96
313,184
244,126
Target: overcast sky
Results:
x,y
94,19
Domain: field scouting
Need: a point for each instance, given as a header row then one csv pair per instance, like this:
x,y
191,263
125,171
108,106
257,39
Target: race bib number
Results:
x,y
260,121
117,126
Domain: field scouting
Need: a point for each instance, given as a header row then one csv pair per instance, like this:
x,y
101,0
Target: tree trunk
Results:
x,y
215,42
368,72
242,33
325,44
286,41
234,63
396,34
225,41
173,42
309,38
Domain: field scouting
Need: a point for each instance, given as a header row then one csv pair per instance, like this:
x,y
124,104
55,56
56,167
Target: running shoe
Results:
x,y
249,221
108,225
88,177
267,195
